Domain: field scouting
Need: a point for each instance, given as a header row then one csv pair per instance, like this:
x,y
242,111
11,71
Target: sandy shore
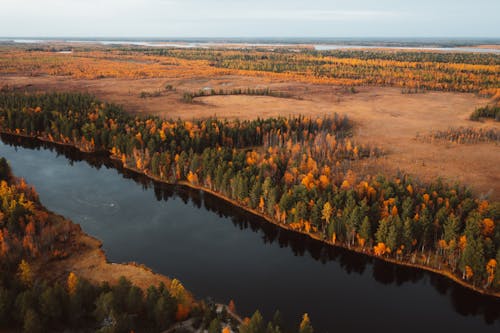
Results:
x,y
87,260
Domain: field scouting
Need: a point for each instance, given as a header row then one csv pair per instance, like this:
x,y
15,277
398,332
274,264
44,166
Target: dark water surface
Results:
x,y
222,252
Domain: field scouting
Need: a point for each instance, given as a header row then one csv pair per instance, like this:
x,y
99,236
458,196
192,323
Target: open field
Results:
x,y
384,117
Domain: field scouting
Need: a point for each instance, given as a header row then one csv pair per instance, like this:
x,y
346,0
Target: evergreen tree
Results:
x,y
32,322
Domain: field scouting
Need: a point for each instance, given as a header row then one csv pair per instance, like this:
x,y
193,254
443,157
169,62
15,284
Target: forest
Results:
x,y
411,71
295,172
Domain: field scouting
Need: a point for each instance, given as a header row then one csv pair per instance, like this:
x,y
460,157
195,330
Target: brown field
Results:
x,y
384,117
488,46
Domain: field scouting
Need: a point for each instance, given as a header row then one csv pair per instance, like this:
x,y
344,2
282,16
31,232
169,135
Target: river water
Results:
x,y
222,252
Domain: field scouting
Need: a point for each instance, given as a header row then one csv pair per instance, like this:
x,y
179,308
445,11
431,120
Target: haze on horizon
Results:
x,y
257,18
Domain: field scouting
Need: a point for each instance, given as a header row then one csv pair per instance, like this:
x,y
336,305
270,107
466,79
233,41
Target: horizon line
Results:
x,y
250,37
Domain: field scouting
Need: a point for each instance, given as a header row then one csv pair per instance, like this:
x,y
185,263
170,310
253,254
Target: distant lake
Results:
x,y
222,252
242,44
329,47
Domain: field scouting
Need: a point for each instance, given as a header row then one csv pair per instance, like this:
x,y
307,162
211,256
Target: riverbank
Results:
x,y
85,257
417,264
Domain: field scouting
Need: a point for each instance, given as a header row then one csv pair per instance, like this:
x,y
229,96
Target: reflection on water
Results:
x,y
224,252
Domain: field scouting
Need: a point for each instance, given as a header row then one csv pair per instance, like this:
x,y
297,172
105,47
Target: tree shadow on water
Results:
x,y
464,301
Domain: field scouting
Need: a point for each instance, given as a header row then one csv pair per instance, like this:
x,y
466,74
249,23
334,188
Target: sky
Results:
x,y
253,18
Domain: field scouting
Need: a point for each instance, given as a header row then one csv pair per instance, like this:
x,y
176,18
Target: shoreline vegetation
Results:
x,y
361,251
446,244
58,277
54,276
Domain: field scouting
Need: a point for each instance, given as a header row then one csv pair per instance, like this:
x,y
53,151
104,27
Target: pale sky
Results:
x,y
253,18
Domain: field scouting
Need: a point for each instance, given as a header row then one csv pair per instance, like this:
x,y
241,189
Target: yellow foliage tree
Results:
x,y
25,273
394,211
192,178
488,227
139,164
261,204
72,283
177,290
305,324
380,249
409,188
345,185
462,242
327,212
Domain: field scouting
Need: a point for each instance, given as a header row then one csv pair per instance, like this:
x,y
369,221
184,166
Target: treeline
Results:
x,y
35,305
100,126
489,111
416,56
188,97
397,55
465,72
296,172
466,135
29,302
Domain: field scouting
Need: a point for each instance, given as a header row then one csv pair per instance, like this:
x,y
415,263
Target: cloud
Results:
x,y
304,15
245,18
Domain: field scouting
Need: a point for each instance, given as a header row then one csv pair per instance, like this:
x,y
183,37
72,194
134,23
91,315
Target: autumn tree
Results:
x,y
254,325
326,214
72,283
25,273
305,325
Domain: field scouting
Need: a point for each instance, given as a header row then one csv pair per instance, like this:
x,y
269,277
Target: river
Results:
x,y
223,252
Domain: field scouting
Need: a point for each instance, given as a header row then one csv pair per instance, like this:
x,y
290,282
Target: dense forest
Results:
x,y
466,72
296,172
32,303
394,55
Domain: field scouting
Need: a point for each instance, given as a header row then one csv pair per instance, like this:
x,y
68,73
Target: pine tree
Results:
x,y
472,259
451,228
32,322
365,232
